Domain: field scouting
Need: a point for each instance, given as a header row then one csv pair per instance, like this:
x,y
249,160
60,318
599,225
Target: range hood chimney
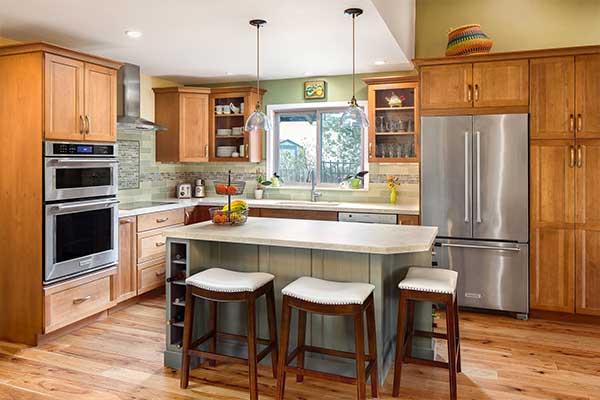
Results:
x,y
128,101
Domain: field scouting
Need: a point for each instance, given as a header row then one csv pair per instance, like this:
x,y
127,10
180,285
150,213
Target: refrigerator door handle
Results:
x,y
471,246
467,206
478,176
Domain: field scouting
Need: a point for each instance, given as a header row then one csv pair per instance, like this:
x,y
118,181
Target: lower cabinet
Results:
x,y
151,276
299,214
124,283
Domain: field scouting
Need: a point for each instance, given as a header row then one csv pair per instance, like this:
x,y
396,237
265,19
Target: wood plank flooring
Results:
x,y
121,358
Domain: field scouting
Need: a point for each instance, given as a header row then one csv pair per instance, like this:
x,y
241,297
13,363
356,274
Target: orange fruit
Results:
x,y
231,190
221,188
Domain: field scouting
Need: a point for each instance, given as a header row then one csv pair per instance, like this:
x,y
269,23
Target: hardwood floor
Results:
x,y
121,358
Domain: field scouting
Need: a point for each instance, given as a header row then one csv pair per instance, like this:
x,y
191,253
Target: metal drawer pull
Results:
x,y
161,220
579,157
572,156
472,246
81,124
86,161
159,244
160,273
87,119
82,299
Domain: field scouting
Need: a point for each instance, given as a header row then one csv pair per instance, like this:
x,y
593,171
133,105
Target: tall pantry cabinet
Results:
x,y
565,189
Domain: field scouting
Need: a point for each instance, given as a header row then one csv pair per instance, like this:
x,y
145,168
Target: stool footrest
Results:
x,y
325,351
267,350
422,361
217,357
241,338
318,374
435,335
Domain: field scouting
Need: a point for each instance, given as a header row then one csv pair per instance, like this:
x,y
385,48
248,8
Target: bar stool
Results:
x,y
434,285
221,285
313,295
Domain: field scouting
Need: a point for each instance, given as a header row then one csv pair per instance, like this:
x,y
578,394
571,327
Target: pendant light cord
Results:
x,y
353,59
258,105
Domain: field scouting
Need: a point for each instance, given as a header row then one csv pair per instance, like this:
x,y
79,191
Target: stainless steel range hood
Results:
x,y
128,101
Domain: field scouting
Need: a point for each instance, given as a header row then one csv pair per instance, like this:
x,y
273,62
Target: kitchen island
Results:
x,y
289,249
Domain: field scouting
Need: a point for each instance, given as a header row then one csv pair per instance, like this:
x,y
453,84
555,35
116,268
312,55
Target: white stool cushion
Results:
x,y
432,280
223,280
328,292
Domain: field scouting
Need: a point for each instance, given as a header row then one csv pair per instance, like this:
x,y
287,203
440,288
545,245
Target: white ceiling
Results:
x,y
199,41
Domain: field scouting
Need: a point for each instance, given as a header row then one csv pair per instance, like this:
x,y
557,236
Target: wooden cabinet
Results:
x,y
587,96
393,131
405,219
223,122
160,219
552,98
184,112
501,83
194,215
299,214
80,100
151,276
466,87
446,86
124,283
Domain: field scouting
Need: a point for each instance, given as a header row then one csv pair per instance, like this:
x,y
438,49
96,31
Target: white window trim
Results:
x,y
274,108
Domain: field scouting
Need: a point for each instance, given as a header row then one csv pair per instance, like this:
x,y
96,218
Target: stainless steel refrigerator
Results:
x,y
475,180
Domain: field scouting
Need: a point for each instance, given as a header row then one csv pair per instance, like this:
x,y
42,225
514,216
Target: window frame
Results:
x,y
272,155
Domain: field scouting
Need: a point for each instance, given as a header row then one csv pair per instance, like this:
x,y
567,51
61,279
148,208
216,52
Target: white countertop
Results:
x,y
322,235
376,208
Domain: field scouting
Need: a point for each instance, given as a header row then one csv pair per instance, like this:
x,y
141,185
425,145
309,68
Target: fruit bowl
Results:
x,y
232,189
222,217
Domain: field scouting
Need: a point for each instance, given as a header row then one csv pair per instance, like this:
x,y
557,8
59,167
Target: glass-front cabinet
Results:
x,y
229,108
394,119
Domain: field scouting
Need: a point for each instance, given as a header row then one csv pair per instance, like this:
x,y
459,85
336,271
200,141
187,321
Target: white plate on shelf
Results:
x,y
224,132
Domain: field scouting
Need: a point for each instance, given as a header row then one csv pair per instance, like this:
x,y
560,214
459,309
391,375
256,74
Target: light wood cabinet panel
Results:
x,y
588,271
63,98
151,245
194,127
100,103
501,83
446,86
160,219
552,208
552,98
124,283
587,83
405,219
299,214
151,277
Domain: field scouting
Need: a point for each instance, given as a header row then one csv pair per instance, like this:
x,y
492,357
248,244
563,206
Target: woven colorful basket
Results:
x,y
468,39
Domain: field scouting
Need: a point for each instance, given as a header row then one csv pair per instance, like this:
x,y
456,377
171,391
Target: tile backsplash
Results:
x,y
156,180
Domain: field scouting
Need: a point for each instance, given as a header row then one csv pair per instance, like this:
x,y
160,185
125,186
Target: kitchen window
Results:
x,y
311,138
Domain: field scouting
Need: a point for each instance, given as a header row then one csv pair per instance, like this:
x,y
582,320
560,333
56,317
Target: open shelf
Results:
x,y
393,133
228,115
180,261
229,136
179,303
394,108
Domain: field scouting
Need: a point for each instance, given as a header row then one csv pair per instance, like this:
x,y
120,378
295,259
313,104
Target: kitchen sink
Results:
x,y
307,203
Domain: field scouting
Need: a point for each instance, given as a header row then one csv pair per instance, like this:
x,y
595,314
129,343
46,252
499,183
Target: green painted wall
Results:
x,y
512,24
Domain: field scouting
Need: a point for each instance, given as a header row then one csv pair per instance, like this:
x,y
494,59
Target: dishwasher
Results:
x,y
366,218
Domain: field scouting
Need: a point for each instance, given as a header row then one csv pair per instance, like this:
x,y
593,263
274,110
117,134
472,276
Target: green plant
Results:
x,y
262,183
358,175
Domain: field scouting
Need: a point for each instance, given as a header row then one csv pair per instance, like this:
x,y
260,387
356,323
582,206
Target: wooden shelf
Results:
x,y
393,133
231,159
229,136
179,303
228,115
393,159
393,108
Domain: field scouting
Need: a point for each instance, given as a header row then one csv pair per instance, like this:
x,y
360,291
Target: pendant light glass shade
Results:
x,y
257,121
354,116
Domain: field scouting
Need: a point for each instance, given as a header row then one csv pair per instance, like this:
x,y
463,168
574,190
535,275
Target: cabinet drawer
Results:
x,y
151,277
78,300
161,219
151,245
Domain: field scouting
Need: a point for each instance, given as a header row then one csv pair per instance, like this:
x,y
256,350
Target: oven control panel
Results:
x,y
80,149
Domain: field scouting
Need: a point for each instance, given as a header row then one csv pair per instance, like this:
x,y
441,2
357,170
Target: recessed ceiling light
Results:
x,y
230,73
133,34
380,62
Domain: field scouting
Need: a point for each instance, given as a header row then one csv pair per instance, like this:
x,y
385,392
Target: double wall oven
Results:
x,y
81,208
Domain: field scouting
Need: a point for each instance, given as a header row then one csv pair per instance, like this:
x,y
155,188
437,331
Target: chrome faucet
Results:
x,y
314,195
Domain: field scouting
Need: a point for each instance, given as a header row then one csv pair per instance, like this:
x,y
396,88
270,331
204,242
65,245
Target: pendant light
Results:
x,y
354,116
258,121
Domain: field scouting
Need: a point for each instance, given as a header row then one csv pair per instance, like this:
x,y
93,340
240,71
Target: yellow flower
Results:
x,y
391,185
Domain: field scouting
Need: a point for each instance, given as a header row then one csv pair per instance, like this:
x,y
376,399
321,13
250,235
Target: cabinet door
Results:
x,y
63,98
100,103
446,86
552,98
501,83
587,103
552,186
124,283
587,218
194,215
193,125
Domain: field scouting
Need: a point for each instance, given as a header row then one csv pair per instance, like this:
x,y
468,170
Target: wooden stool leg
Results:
x,y
451,329
213,316
410,322
272,318
301,341
283,348
373,347
252,368
456,318
188,325
359,335
399,344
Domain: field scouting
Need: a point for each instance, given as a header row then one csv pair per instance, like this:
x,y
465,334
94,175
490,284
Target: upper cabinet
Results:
x,y
184,112
587,96
465,87
80,100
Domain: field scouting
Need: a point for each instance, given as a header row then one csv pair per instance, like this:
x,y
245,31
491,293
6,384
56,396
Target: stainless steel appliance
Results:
x,y
475,190
184,191
200,188
81,209
368,218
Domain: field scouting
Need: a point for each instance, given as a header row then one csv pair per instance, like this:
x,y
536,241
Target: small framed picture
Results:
x,y
314,90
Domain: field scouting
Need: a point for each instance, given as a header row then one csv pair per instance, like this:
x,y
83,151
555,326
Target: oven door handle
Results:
x,y
86,161
69,207
470,246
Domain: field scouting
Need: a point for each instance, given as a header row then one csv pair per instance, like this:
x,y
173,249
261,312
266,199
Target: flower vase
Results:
x,y
393,196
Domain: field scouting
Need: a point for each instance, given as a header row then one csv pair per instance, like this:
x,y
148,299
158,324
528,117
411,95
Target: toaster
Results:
x,y
184,191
